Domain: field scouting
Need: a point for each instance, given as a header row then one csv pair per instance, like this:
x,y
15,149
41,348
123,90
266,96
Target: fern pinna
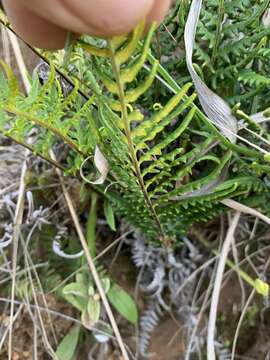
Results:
x,y
169,166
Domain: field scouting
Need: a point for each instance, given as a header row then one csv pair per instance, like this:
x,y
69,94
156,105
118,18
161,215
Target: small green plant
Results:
x,y
82,295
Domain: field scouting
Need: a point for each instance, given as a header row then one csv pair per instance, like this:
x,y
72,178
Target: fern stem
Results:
x,y
221,12
116,71
45,125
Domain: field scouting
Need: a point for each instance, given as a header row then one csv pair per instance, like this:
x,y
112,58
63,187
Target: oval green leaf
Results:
x,y
109,215
68,345
123,303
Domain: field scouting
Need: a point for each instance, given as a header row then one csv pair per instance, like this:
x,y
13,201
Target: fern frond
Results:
x,y
168,164
45,112
154,158
249,77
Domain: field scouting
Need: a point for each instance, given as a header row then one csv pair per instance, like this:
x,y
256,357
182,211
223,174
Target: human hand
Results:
x,y
45,23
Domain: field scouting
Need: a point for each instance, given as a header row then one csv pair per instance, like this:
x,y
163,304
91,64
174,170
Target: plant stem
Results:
x,y
221,12
91,225
132,152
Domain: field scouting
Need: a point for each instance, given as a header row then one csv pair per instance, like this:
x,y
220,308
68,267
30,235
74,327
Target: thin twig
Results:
x,y
240,280
4,335
35,339
17,226
217,287
250,298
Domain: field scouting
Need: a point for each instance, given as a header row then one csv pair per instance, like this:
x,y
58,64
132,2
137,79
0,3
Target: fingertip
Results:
x,y
45,24
158,11
97,18
116,17
110,17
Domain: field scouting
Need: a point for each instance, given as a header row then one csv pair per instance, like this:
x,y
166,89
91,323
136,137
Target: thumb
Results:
x,y
91,16
45,23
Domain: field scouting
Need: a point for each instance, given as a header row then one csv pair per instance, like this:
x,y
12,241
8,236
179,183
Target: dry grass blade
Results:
x,y
15,244
217,287
19,58
245,209
214,106
35,337
5,42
